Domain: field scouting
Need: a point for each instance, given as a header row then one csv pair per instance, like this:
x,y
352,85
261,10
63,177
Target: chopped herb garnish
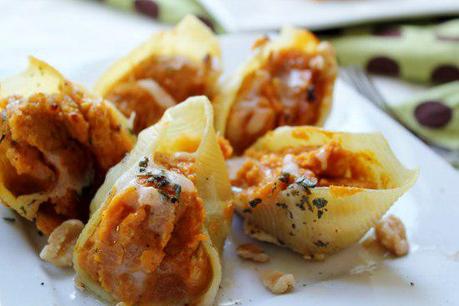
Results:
x,y
164,195
282,205
255,202
320,244
319,202
177,190
8,219
144,162
304,200
284,177
306,183
159,180
320,213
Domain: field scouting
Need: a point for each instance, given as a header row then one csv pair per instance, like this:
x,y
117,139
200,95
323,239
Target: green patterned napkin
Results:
x,y
434,115
428,54
167,11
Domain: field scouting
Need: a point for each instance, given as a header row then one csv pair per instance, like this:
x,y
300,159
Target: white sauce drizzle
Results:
x,y
323,156
162,213
290,166
160,95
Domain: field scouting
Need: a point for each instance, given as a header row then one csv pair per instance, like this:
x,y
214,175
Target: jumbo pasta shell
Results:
x,y
331,216
187,127
48,122
169,67
288,81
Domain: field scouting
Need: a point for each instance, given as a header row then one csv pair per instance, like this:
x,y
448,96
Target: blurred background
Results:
x,y
403,55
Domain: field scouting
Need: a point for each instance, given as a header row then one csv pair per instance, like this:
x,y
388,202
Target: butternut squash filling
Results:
x,y
147,248
60,146
265,174
287,90
159,83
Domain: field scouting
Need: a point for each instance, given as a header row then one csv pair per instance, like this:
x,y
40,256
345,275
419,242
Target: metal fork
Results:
x,y
359,80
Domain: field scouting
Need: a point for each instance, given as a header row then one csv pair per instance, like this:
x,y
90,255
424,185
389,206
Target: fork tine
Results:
x,y
366,87
373,91
349,77
352,76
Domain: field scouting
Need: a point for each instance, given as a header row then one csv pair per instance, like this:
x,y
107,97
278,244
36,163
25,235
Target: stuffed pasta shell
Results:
x,y
57,143
168,68
315,191
160,220
288,81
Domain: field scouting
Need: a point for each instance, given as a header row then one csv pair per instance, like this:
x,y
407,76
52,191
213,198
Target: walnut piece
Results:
x,y
390,233
278,282
61,242
252,252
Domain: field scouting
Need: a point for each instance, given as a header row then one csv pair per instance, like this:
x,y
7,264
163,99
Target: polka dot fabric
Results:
x,y
434,115
422,53
167,11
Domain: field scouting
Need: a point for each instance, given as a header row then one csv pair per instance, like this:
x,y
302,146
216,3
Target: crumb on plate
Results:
x,y
278,282
252,252
61,242
390,233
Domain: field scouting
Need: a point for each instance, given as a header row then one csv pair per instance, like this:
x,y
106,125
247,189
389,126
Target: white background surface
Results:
x,y
81,38
251,15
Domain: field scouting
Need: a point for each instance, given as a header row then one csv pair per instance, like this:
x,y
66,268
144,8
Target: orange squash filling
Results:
x,y
146,254
159,83
264,174
59,145
287,90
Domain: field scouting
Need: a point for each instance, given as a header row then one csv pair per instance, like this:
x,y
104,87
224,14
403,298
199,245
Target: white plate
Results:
x,y
355,276
251,15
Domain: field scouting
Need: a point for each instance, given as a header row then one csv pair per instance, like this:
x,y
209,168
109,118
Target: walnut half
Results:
x,y
278,282
252,252
390,233
61,242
